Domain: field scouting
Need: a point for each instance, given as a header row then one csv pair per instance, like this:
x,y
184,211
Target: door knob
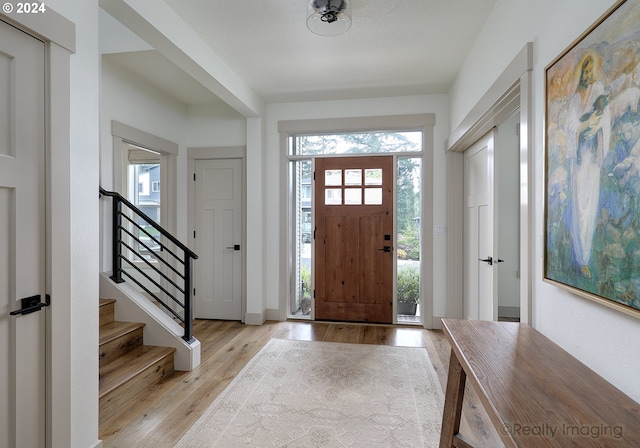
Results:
x,y
488,260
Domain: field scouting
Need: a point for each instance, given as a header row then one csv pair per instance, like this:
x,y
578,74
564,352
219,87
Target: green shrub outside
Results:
x,y
408,246
408,284
305,274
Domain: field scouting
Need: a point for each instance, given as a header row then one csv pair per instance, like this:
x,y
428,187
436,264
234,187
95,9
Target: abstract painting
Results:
x,y
592,166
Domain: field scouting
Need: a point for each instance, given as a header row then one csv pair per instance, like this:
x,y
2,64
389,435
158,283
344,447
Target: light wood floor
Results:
x,y
161,417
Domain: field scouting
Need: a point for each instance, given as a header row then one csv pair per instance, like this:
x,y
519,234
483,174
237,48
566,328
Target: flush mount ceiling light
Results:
x,y
329,17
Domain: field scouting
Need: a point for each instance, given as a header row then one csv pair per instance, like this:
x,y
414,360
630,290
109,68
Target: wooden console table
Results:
x,y
535,393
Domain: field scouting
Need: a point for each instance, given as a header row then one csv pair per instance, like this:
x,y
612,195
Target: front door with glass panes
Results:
x,y
354,252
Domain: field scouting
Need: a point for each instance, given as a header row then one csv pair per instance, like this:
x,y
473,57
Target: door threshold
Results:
x,y
400,323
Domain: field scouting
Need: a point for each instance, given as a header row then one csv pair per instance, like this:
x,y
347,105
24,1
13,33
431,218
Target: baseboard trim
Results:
x,y
509,311
254,319
436,323
272,314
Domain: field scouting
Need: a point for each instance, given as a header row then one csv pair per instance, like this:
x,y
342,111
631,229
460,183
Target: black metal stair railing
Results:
x,y
165,256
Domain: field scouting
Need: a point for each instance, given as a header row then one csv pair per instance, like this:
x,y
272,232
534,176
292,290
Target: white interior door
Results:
x,y
218,239
22,238
480,256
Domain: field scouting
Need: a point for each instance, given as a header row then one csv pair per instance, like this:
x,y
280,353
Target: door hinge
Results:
x,y
194,291
194,233
194,176
314,293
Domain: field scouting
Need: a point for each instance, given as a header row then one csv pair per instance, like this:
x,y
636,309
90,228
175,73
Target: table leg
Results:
x,y
452,402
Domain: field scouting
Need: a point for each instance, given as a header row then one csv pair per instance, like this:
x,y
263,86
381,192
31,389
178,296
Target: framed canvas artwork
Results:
x,y
592,162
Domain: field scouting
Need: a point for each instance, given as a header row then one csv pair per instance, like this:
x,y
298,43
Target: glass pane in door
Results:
x,y
333,177
333,196
373,196
352,196
373,176
353,177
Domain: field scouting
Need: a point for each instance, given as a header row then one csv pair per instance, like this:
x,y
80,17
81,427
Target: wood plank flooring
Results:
x,y
161,416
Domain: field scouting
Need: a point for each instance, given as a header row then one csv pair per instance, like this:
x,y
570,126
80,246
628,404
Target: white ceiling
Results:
x,y
394,48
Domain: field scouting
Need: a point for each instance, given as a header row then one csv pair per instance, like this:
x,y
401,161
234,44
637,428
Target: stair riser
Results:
x,y
119,346
117,399
128,368
107,313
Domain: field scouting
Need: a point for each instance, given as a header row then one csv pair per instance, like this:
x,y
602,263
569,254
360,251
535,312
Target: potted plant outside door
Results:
x,y
408,290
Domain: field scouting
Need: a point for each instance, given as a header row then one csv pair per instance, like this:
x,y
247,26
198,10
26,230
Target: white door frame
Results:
x,y
58,33
123,134
218,153
510,93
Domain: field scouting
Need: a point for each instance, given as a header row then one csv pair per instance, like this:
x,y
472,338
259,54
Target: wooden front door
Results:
x,y
354,239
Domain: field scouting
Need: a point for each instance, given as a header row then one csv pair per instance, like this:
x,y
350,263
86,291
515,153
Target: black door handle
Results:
x,y
487,260
385,249
31,305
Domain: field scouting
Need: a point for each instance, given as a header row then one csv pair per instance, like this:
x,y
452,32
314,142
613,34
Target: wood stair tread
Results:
x,y
113,330
129,365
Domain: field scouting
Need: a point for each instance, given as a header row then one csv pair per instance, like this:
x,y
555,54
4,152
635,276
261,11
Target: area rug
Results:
x,y
324,394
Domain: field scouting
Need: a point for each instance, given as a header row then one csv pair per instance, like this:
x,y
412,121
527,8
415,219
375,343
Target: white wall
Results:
x,y
436,104
133,102
600,337
215,125
84,131
129,100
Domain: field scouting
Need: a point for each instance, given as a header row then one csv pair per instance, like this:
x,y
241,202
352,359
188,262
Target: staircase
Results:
x,y
127,367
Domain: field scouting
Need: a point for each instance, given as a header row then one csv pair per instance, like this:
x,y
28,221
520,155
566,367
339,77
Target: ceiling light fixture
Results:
x,y
329,17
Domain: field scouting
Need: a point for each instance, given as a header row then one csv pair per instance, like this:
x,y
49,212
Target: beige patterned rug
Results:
x,y
324,394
